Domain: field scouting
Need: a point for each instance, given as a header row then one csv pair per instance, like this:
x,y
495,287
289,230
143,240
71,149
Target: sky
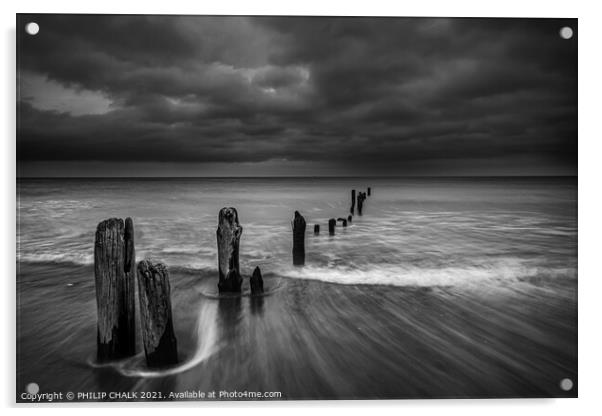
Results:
x,y
105,95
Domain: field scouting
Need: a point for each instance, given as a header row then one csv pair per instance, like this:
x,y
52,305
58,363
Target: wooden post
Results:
x,y
352,210
160,346
350,218
116,336
228,241
369,191
317,229
129,269
332,223
360,202
343,221
299,225
256,282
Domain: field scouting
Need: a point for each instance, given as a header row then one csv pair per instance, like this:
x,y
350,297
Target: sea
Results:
x,y
443,288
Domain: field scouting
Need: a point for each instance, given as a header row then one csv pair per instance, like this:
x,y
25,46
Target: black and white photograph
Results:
x,y
248,208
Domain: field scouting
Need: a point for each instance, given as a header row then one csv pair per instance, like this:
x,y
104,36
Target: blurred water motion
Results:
x,y
458,287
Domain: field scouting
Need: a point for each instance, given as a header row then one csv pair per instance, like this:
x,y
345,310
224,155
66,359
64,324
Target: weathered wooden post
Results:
x,y
369,190
116,336
160,346
256,281
317,229
299,225
228,241
129,269
352,210
350,218
343,221
332,223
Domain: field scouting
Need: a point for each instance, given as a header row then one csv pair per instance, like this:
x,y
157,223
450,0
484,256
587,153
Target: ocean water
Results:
x,y
444,287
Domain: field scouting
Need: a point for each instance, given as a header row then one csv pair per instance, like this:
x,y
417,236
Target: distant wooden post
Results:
x,y
160,346
317,229
298,239
360,202
228,241
369,191
116,336
256,281
352,210
332,223
350,219
343,221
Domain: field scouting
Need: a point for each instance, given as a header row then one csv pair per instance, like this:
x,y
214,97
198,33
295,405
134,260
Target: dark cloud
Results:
x,y
361,94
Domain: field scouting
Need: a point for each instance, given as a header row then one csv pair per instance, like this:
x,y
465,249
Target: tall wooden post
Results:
x,y
160,345
129,269
317,229
116,337
369,191
228,241
352,210
332,223
298,239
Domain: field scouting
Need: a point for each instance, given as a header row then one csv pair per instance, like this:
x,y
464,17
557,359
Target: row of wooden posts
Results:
x,y
299,226
115,270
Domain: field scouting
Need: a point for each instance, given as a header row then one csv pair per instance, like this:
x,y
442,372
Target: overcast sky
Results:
x,y
224,96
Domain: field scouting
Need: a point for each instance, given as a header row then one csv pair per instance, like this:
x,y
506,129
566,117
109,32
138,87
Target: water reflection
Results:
x,y
229,316
256,305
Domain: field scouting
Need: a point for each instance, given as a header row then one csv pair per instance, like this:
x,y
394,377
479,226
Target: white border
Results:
x,y
590,189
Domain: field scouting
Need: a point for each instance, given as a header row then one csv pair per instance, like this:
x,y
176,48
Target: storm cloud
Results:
x,y
343,95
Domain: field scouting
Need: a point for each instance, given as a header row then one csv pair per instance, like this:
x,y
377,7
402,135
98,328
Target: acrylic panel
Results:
x,y
295,208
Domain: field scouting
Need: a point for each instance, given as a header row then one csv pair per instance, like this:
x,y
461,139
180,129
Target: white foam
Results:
x,y
206,333
506,270
181,250
77,258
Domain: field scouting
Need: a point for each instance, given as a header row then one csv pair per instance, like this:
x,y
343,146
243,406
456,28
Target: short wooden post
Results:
x,y
256,282
228,241
369,191
160,346
352,210
317,229
299,226
350,218
332,223
343,221
116,337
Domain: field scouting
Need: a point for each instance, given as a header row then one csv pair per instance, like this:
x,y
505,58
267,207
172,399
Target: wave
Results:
x,y
504,271
351,272
181,250
81,259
